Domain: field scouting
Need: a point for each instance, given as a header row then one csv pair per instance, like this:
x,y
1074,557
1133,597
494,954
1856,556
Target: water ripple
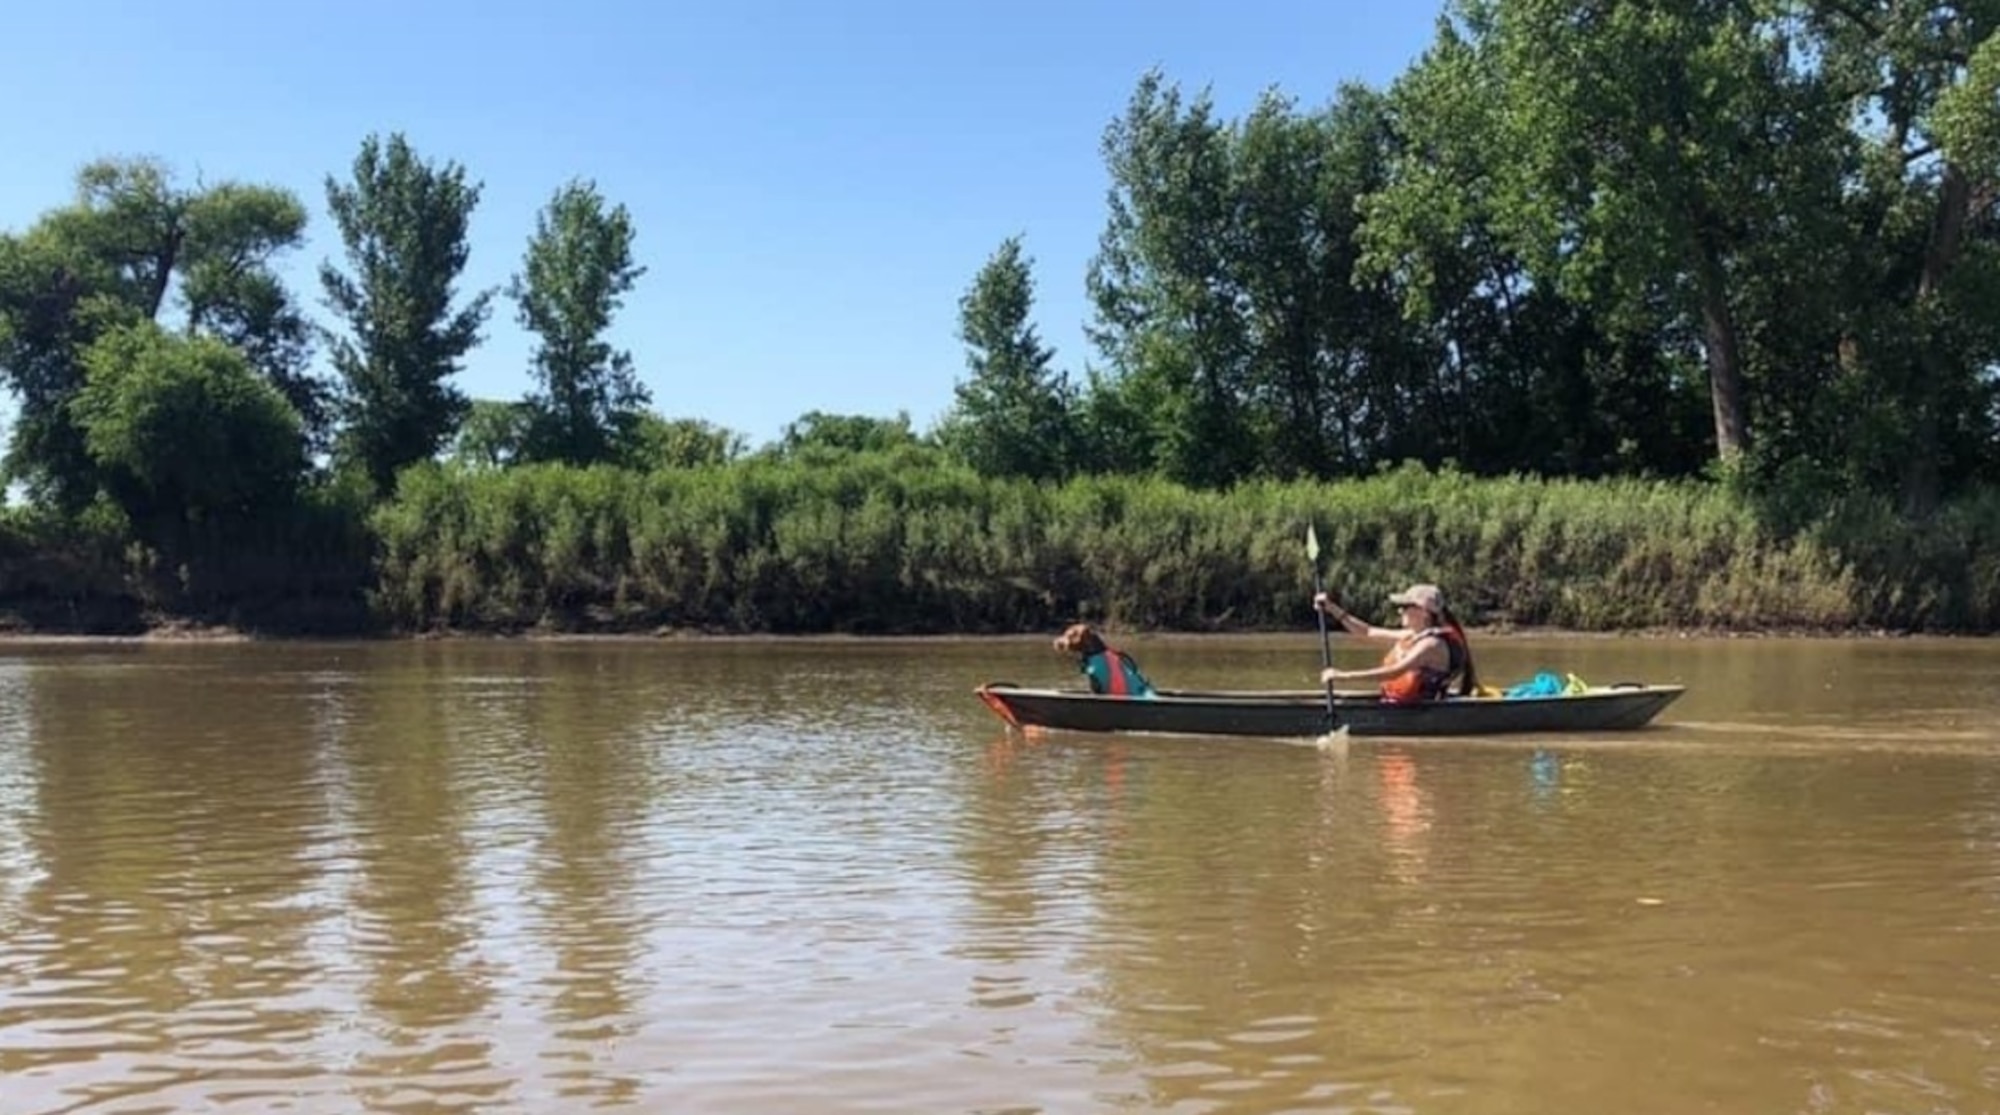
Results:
x,y
529,878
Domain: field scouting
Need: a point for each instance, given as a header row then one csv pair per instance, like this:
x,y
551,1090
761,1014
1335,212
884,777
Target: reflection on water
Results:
x,y
770,876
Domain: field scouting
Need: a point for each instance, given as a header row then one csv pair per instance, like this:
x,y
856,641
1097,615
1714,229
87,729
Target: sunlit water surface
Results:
x,y
818,876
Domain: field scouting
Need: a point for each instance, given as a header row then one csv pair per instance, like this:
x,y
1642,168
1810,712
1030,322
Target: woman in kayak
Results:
x,y
1110,671
1429,650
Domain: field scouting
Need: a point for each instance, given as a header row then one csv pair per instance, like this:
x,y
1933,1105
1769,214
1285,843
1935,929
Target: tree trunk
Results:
x,y
1725,361
1947,232
1920,469
163,271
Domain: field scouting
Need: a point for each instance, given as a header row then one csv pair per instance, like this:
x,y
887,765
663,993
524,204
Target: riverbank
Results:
x,y
174,631
864,547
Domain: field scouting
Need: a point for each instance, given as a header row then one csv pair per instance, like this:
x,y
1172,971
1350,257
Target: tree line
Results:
x,y
1741,238
143,325
1755,241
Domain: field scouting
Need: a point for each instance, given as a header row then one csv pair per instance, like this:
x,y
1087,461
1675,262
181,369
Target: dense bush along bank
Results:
x,y
889,543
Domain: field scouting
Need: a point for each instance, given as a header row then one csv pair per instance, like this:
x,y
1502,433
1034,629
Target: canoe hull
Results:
x,y
1303,713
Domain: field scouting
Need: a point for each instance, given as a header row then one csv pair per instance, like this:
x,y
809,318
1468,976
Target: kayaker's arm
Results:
x,y
1351,623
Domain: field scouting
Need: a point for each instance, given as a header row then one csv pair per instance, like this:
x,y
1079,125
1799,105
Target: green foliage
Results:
x,y
1303,293
1166,301
1965,116
818,432
50,304
181,429
1601,240
1919,258
65,571
1011,416
1113,420
493,435
1648,154
577,271
649,441
868,542
1533,380
234,234
200,514
403,223
132,247
1800,193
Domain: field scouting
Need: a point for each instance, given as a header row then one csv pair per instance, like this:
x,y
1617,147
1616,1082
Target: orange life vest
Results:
x,y
1424,683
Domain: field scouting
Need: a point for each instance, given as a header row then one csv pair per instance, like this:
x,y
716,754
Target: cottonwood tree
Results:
x,y
1802,194
1918,84
133,247
1011,416
403,222
1226,302
1540,375
1165,303
576,273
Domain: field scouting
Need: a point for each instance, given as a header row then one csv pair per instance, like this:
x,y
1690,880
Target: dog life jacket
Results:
x,y
1424,683
1114,672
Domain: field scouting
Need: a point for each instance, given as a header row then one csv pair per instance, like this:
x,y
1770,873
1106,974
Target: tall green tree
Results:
x,y
1919,335
1799,193
233,234
577,271
403,222
1333,378
1227,303
1527,377
1656,151
135,247
1011,415
1166,307
53,303
1661,164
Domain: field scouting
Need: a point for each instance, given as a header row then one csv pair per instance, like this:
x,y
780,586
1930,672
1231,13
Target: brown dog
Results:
x,y
1080,639
1110,671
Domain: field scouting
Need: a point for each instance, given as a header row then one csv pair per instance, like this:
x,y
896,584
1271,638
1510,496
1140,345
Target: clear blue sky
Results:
x,y
814,184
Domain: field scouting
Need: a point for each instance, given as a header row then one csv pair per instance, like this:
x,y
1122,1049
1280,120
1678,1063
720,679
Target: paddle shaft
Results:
x,y
1325,641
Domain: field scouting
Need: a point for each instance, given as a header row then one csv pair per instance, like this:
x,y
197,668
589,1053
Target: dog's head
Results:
x,y
1080,639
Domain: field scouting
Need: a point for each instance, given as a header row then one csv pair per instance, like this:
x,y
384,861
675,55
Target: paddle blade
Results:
x,y
1312,545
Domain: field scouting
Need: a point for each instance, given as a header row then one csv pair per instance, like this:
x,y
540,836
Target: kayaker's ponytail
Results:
x,y
1468,677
